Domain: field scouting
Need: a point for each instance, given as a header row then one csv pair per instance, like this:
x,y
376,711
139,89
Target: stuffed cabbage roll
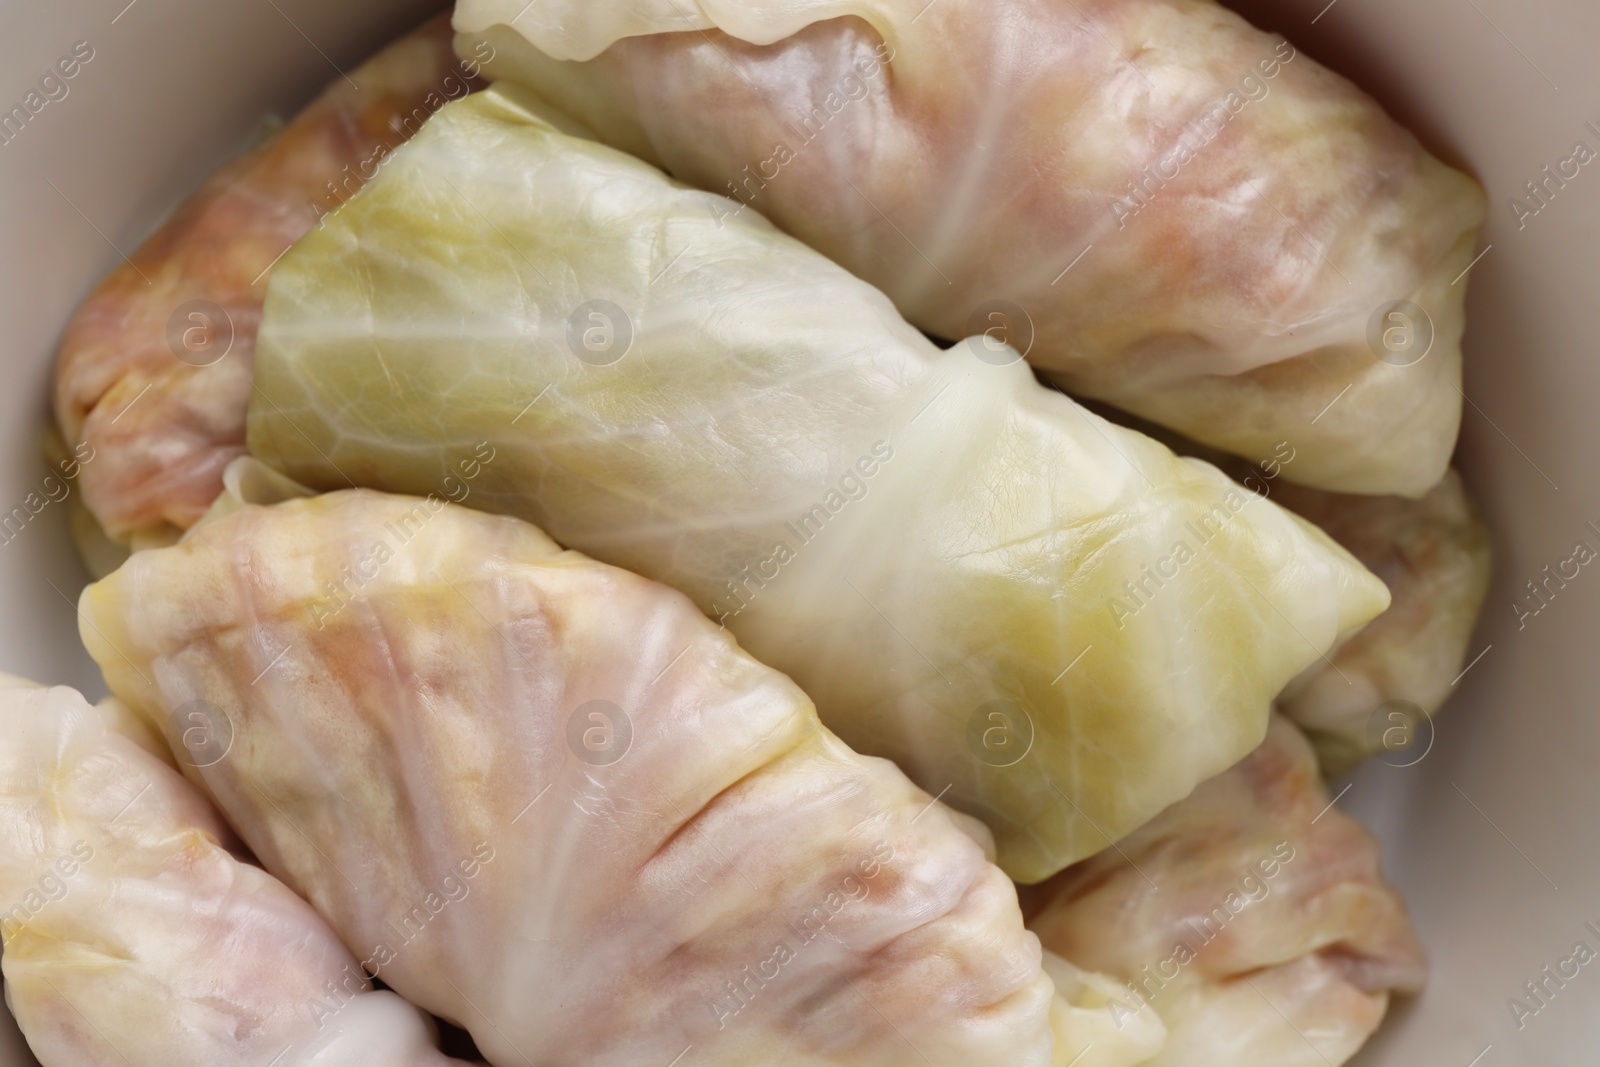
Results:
x,y
1166,208
552,803
1433,554
1252,916
134,937
1056,624
153,373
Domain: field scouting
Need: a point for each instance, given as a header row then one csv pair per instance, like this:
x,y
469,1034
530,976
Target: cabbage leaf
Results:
x,y
135,937
552,802
1166,208
1053,623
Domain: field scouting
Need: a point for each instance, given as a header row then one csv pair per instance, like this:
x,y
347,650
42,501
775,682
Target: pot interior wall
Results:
x,y
1489,835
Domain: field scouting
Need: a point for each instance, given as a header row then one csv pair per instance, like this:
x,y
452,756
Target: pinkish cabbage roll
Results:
x,y
153,373
1253,917
1165,208
554,804
133,935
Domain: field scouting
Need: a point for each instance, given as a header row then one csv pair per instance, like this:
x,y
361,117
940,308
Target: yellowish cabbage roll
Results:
x,y
1054,623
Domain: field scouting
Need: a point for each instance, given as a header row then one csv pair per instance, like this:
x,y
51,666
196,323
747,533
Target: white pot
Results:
x,y
1479,834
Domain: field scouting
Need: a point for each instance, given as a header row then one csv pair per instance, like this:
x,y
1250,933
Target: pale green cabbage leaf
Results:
x,y
1053,623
